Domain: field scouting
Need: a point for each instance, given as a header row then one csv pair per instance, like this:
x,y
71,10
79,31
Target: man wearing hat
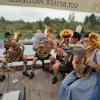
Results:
x,y
7,38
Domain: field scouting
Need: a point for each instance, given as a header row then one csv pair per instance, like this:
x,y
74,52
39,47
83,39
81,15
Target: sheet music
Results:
x,y
14,95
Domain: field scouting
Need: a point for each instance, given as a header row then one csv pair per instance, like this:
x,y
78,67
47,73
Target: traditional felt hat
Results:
x,y
7,34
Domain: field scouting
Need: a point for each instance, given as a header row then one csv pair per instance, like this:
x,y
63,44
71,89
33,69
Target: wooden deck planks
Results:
x,y
39,88
46,88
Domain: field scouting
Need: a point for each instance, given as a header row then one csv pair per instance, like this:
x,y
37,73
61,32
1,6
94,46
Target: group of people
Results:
x,y
77,56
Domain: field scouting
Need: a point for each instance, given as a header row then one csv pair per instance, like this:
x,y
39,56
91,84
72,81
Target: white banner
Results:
x,y
73,5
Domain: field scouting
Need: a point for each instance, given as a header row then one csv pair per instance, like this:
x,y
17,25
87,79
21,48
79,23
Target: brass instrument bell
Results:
x,y
17,36
66,33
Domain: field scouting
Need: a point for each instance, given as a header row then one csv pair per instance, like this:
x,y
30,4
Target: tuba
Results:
x,y
43,51
83,69
94,40
17,36
66,34
15,51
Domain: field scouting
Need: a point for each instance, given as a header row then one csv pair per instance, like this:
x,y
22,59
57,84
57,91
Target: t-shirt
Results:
x,y
37,39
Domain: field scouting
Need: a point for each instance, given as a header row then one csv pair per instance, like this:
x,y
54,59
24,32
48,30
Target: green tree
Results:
x,y
92,20
71,17
86,20
41,25
48,21
2,20
64,23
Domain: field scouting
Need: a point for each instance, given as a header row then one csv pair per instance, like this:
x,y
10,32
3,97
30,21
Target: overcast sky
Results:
x,y
33,14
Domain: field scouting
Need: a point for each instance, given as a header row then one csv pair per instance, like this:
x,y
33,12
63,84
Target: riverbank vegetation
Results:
x,y
90,23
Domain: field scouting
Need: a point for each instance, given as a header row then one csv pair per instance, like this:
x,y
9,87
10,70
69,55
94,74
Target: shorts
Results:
x,y
65,68
42,58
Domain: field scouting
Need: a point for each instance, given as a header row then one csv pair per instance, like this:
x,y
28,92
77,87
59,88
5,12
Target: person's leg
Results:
x,y
65,69
34,62
52,62
25,71
24,59
2,75
43,61
55,68
62,70
31,74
